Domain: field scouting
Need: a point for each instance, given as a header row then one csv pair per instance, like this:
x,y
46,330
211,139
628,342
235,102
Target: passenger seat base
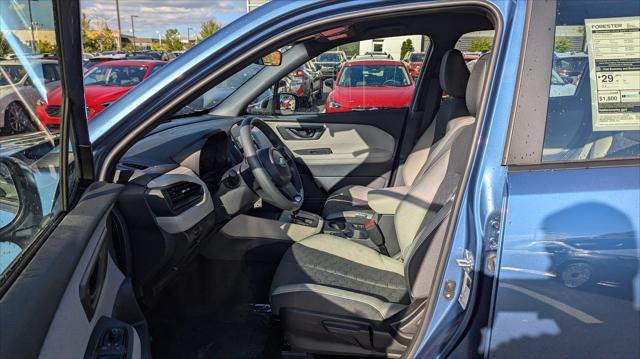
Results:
x,y
322,333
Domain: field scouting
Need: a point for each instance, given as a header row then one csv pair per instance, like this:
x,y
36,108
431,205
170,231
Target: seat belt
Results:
x,y
431,225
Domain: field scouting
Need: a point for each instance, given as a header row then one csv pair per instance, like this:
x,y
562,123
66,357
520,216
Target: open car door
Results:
x,y
64,275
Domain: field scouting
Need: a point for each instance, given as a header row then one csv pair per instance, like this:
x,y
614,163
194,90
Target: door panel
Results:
x,y
43,312
338,149
569,269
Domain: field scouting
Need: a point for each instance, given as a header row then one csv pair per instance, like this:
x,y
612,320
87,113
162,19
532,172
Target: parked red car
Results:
x,y
370,84
103,84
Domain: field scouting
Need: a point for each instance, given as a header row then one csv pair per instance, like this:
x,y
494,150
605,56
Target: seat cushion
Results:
x,y
348,198
333,275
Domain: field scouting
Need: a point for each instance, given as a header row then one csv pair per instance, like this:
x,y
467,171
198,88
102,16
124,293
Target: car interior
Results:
x,y
283,234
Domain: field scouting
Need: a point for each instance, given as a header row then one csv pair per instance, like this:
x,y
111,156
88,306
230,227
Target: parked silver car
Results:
x,y
19,92
306,83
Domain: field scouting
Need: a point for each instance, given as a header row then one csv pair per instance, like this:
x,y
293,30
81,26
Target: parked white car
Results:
x,y
19,93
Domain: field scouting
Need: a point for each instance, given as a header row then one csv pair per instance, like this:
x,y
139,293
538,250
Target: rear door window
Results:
x,y
594,94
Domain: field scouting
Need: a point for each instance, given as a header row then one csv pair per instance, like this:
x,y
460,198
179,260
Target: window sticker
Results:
x,y
613,46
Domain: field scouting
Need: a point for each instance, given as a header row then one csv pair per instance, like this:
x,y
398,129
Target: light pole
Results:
x,y
119,29
133,31
33,39
188,36
159,38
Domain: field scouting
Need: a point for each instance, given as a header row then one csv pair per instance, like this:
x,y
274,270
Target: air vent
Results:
x,y
182,196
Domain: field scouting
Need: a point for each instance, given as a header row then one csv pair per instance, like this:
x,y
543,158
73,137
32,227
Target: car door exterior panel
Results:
x,y
570,270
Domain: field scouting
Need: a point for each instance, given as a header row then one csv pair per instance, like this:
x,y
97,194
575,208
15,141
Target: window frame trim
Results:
x,y
521,124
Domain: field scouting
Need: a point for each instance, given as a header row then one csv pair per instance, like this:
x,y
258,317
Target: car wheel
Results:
x,y
575,275
16,120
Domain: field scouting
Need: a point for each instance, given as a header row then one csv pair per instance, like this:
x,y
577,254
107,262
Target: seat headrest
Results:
x,y
454,74
476,83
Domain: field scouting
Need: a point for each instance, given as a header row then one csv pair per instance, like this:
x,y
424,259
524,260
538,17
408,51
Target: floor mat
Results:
x,y
243,332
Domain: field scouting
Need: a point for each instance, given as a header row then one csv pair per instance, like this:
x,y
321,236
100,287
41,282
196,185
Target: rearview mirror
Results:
x,y
273,59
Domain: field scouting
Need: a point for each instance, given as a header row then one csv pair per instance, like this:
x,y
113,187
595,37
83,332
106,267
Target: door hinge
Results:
x,y
466,263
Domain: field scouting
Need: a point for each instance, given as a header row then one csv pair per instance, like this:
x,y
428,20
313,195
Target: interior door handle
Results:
x,y
301,133
93,280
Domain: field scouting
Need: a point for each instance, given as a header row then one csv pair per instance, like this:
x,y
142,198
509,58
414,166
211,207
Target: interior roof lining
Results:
x,y
465,20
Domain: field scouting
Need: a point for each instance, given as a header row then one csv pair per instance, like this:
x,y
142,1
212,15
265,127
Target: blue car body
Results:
x,y
547,227
532,312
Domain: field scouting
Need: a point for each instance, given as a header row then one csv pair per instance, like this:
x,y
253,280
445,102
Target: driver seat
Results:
x,y
335,296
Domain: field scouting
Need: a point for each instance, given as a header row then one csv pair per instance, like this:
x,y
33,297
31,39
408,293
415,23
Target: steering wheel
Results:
x,y
273,168
391,82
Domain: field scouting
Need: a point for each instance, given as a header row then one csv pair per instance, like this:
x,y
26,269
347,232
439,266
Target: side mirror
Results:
x,y
288,103
20,206
273,59
328,83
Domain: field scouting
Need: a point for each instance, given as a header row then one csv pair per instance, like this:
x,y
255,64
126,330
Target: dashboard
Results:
x,y
183,181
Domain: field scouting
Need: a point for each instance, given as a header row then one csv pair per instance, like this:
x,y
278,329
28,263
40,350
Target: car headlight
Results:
x,y
332,103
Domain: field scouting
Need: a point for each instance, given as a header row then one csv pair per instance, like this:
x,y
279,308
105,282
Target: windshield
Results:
x,y
416,58
221,91
572,64
374,76
11,74
556,79
329,57
115,75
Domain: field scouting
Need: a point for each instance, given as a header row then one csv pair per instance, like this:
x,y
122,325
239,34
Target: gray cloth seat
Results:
x,y
331,293
454,76
352,279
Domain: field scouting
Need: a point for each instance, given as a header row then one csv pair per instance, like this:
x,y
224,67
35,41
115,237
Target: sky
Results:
x,y
160,15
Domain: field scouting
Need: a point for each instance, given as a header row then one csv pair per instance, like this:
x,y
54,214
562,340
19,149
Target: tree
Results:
x,y
172,40
5,48
45,47
407,46
208,28
104,39
157,47
562,44
88,42
482,44
350,49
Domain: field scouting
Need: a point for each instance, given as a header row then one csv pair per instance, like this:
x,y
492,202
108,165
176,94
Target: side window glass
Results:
x,y
359,76
594,93
215,95
474,44
29,145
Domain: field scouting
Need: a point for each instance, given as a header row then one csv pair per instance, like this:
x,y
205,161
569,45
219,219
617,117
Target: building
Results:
x,y
393,45
254,4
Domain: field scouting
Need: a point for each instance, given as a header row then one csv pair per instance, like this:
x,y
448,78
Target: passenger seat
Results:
x,y
454,76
